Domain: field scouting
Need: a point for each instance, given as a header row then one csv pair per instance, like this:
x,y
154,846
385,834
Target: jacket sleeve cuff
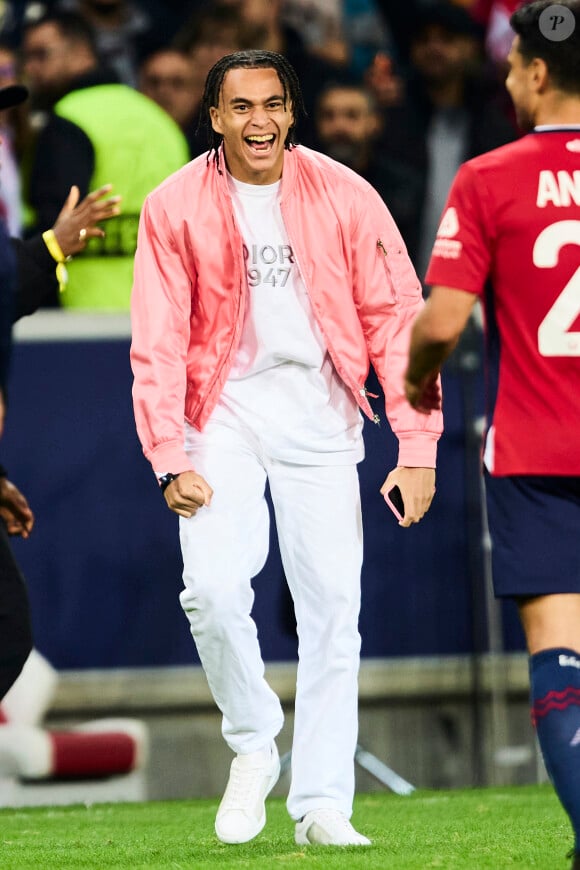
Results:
x,y
169,458
37,249
418,449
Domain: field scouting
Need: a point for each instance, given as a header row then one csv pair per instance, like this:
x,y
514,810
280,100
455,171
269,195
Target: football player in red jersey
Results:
x,y
510,236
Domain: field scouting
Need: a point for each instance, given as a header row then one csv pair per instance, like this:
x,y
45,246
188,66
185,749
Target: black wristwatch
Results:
x,y
166,480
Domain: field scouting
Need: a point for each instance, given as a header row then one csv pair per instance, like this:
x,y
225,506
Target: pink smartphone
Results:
x,y
394,499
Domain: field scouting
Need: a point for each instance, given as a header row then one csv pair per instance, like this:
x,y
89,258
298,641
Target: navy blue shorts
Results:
x,y
534,524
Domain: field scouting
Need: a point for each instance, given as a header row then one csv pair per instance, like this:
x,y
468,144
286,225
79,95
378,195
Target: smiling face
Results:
x,y
254,122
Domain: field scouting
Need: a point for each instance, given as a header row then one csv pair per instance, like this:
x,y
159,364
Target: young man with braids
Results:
x,y
266,275
513,217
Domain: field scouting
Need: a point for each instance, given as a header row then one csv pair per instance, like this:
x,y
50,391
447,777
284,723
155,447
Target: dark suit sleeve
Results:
x,y
36,271
7,288
64,156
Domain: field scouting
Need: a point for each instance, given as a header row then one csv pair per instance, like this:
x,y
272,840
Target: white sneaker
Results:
x,y
328,828
241,814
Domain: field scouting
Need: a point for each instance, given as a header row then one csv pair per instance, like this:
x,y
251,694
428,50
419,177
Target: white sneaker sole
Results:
x,y
302,839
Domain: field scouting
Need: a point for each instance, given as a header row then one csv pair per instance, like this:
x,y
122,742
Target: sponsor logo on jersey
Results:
x,y
576,739
573,145
445,245
449,225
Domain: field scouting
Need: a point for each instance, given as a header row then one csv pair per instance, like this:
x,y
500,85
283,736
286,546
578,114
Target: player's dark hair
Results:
x,y
251,59
561,57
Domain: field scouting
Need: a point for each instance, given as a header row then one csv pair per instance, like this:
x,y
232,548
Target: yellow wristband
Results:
x,y
56,253
53,246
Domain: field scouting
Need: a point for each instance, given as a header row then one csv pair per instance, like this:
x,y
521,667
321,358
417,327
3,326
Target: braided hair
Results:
x,y
251,59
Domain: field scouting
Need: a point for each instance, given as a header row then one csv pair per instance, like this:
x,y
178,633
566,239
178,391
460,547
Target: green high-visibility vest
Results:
x,y
137,145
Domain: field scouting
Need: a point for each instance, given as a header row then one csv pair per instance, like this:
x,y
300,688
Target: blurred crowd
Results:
x,y
402,92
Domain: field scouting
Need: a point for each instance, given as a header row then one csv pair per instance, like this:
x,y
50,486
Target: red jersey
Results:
x,y
511,234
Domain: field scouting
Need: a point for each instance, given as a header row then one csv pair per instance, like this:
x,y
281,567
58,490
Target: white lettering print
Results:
x,y
555,337
560,189
268,254
449,249
268,264
568,661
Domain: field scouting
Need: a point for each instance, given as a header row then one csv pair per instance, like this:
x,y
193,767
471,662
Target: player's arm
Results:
x,y
388,297
435,333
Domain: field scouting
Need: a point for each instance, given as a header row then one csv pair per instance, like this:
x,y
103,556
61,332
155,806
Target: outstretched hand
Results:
x,y
77,222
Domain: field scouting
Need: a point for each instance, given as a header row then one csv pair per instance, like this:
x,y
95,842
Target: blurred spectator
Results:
x,y
450,111
10,19
366,33
167,77
384,82
348,128
264,18
494,15
125,32
99,132
319,23
401,22
208,35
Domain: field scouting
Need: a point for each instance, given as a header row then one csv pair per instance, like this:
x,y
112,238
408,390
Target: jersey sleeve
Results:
x,y
462,251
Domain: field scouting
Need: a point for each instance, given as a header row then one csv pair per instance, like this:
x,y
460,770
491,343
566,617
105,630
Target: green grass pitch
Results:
x,y
497,828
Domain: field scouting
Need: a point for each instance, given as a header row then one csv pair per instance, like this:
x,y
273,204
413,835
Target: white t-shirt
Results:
x,y
282,383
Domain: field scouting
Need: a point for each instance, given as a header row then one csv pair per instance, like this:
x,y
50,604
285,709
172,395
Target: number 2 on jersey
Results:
x,y
554,338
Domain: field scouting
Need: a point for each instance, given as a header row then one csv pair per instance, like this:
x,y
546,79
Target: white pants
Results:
x,y
318,520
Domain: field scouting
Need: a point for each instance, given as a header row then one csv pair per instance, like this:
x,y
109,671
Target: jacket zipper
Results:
x,y
241,301
385,253
363,391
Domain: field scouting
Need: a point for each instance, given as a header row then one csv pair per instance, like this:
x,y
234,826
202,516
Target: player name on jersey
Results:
x,y
559,188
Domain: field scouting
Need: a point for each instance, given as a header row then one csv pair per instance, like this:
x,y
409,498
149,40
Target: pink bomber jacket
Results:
x,y
190,290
